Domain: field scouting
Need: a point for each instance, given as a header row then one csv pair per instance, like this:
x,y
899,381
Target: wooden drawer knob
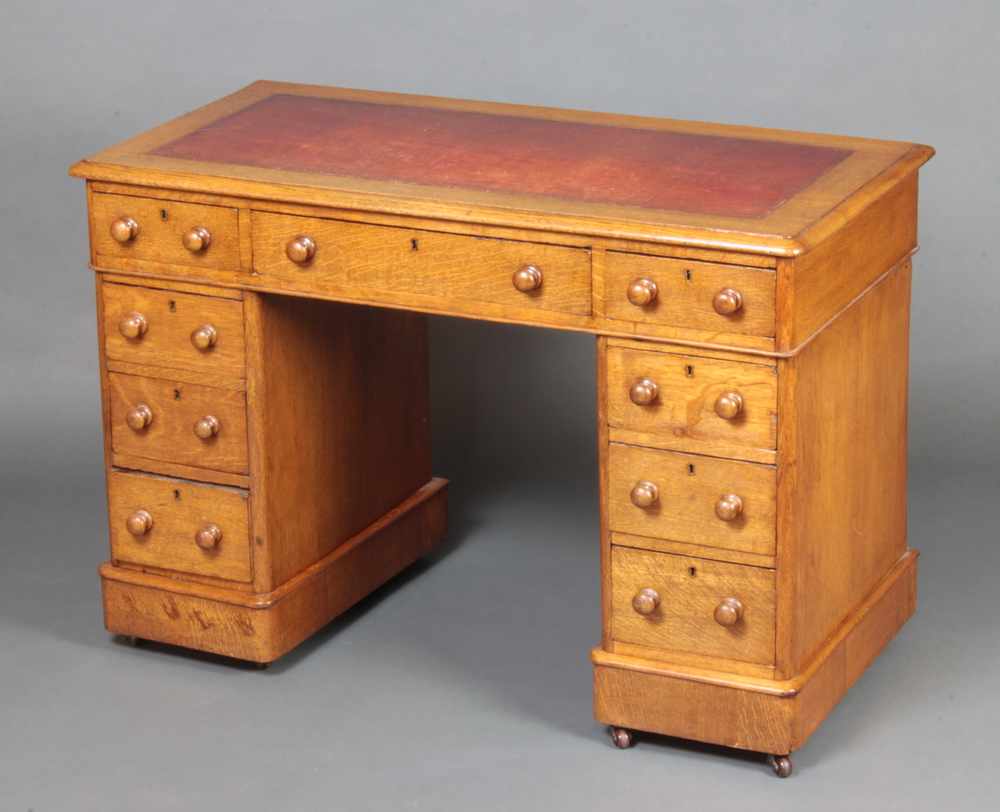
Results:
x,y
727,301
644,494
139,523
642,292
139,418
729,507
197,239
643,392
207,427
134,325
646,601
204,337
729,405
208,536
729,612
527,279
124,229
301,249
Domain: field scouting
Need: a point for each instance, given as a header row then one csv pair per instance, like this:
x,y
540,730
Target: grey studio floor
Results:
x,y
463,684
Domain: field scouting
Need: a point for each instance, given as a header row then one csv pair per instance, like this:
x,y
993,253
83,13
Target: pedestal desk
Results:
x,y
264,269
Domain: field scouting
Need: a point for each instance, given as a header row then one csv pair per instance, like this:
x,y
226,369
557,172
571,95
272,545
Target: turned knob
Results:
x,y
124,229
729,405
642,292
134,325
208,536
644,494
527,279
138,418
727,301
643,392
646,601
729,612
197,239
139,523
729,507
301,249
204,337
207,427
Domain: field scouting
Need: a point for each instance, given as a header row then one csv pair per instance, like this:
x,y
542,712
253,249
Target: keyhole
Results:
x,y
692,572
413,245
177,394
687,274
163,214
177,496
690,469
689,371
172,306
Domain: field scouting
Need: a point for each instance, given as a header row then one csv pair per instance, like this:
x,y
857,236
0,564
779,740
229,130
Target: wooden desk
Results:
x,y
267,428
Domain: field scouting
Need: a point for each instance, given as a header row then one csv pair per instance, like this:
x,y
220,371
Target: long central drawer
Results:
x,y
429,263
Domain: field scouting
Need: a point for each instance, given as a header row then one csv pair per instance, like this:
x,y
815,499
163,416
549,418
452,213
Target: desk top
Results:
x,y
768,190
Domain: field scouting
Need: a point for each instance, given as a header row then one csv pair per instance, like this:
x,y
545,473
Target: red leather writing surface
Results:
x,y
495,153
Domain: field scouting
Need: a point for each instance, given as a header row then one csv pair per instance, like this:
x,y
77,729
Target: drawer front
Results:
x,y
685,294
425,262
174,414
679,603
164,231
696,404
697,500
178,531
174,330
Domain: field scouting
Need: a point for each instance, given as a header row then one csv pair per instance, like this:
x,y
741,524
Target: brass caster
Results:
x,y
131,640
621,737
782,765
262,666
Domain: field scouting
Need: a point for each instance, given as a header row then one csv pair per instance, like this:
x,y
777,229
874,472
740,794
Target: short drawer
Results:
x,y
696,295
693,404
173,524
693,605
180,423
164,231
551,277
693,499
162,328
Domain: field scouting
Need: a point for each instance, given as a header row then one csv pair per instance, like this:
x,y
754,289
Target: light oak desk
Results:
x,y
266,426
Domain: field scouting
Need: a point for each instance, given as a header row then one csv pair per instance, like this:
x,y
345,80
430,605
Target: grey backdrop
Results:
x,y
468,686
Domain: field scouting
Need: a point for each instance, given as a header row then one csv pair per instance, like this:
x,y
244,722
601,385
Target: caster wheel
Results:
x,y
262,666
131,640
621,737
782,765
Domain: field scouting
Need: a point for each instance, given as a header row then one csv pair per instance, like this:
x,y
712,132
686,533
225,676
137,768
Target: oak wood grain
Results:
x,y
683,416
751,396
183,375
689,488
818,285
686,292
426,262
178,510
691,590
176,407
342,398
172,317
666,545
425,303
161,226
849,402
262,627
768,715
